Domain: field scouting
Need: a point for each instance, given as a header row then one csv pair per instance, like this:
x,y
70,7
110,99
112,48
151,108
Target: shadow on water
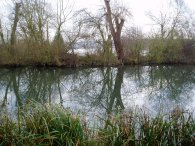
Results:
x,y
99,90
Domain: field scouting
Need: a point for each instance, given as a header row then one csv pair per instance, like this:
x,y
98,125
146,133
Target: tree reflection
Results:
x,y
26,84
163,87
97,89
100,88
174,81
115,96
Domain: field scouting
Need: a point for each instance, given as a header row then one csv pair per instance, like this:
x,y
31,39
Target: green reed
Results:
x,y
53,125
42,125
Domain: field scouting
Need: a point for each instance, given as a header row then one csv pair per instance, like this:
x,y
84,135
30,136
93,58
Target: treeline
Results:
x,y
27,38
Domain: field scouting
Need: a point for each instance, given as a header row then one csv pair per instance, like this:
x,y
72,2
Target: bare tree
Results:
x,y
133,41
188,28
116,22
166,45
97,30
64,10
63,13
34,20
15,23
74,35
168,22
1,34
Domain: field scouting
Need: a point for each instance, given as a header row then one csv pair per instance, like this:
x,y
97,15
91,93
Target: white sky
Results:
x,y
138,8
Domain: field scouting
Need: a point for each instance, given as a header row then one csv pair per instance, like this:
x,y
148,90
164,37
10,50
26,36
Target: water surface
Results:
x,y
100,91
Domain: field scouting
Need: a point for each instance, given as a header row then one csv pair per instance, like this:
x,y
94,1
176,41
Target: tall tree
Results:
x,y
116,23
64,11
34,20
14,27
170,20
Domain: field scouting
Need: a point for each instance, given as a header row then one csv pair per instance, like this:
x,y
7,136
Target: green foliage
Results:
x,y
162,130
8,131
118,130
29,53
140,129
137,48
55,126
165,50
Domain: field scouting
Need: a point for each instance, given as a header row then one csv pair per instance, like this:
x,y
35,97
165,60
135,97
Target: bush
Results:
x,y
165,50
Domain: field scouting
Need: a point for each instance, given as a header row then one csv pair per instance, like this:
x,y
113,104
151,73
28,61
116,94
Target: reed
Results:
x,y
42,125
53,125
140,129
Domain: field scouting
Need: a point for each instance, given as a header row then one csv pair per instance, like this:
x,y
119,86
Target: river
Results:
x,y
100,91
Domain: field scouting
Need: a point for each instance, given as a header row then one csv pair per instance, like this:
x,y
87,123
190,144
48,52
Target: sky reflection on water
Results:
x,y
100,91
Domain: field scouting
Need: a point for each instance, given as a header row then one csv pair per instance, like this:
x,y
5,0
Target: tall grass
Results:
x,y
53,125
138,128
42,125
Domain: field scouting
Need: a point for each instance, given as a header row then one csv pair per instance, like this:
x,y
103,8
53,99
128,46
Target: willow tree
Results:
x,y
116,19
97,29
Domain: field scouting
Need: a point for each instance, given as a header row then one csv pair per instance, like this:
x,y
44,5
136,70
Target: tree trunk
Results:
x,y
115,31
116,93
1,34
119,49
14,27
47,32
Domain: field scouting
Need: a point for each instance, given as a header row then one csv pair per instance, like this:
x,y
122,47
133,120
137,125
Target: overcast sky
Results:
x,y
138,8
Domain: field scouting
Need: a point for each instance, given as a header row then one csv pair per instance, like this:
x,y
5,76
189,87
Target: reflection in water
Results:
x,y
100,91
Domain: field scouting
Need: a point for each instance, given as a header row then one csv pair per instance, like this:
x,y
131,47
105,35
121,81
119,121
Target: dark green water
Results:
x,y
100,91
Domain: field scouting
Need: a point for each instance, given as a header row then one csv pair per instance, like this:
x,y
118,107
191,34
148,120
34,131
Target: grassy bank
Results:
x,y
49,125
75,61
47,54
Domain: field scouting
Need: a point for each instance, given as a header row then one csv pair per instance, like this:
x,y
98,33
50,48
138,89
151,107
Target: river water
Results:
x,y
100,91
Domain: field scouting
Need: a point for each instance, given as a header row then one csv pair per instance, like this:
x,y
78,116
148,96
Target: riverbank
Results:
x,y
75,61
38,124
